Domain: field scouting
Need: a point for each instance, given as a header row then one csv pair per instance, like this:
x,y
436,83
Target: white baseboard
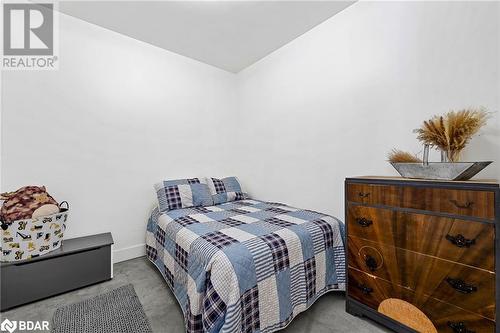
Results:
x,y
130,252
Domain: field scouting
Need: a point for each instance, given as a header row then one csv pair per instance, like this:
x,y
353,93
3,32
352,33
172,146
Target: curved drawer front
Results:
x,y
466,287
430,315
480,204
466,242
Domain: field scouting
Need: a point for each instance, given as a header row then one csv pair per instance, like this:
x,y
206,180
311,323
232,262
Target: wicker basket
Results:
x,y
30,238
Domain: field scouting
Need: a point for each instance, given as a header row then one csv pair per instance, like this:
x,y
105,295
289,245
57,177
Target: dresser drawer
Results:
x,y
467,242
480,204
467,287
432,315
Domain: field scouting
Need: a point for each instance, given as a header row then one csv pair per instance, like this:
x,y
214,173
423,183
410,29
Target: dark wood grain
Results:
x,y
426,275
429,243
479,204
425,234
371,291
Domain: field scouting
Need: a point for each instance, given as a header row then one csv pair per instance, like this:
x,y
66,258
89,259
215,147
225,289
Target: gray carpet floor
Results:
x,y
327,315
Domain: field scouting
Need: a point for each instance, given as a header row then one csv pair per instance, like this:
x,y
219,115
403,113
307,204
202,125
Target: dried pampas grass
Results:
x,y
400,156
452,132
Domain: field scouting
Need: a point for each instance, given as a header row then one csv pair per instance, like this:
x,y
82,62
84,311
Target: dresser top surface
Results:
x,y
485,183
395,178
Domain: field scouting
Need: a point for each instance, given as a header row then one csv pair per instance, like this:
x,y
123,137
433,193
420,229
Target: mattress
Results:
x,y
247,265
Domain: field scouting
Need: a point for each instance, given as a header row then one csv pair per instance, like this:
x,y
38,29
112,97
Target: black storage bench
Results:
x,y
79,262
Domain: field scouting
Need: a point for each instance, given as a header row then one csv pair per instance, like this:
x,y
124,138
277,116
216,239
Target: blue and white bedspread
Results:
x,y
246,266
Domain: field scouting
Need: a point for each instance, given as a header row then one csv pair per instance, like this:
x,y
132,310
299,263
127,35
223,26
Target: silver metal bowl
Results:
x,y
441,170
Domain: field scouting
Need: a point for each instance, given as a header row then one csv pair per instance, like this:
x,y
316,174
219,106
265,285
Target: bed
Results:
x,y
246,265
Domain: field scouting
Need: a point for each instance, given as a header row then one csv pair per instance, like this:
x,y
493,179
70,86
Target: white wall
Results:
x,y
333,102
115,118
120,114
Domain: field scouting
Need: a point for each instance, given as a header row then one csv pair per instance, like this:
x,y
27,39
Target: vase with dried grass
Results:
x,y
452,132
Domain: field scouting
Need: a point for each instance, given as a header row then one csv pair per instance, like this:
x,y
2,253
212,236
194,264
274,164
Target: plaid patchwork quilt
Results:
x,y
246,266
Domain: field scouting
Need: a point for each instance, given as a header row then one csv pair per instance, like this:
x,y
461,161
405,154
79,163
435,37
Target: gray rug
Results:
x,y
117,311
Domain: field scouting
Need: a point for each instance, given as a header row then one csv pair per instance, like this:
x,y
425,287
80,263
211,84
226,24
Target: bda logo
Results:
x,y
8,325
24,325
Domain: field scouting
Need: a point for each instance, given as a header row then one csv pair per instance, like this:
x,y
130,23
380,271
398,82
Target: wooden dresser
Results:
x,y
421,254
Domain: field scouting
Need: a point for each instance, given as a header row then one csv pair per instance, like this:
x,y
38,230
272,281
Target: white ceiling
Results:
x,y
230,35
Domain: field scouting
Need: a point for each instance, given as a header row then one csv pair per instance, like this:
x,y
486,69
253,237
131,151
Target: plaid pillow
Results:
x,y
225,189
183,193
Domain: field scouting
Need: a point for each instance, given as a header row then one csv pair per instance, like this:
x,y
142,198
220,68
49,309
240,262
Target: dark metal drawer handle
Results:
x,y
467,205
365,289
459,327
460,241
371,263
461,286
364,222
364,194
